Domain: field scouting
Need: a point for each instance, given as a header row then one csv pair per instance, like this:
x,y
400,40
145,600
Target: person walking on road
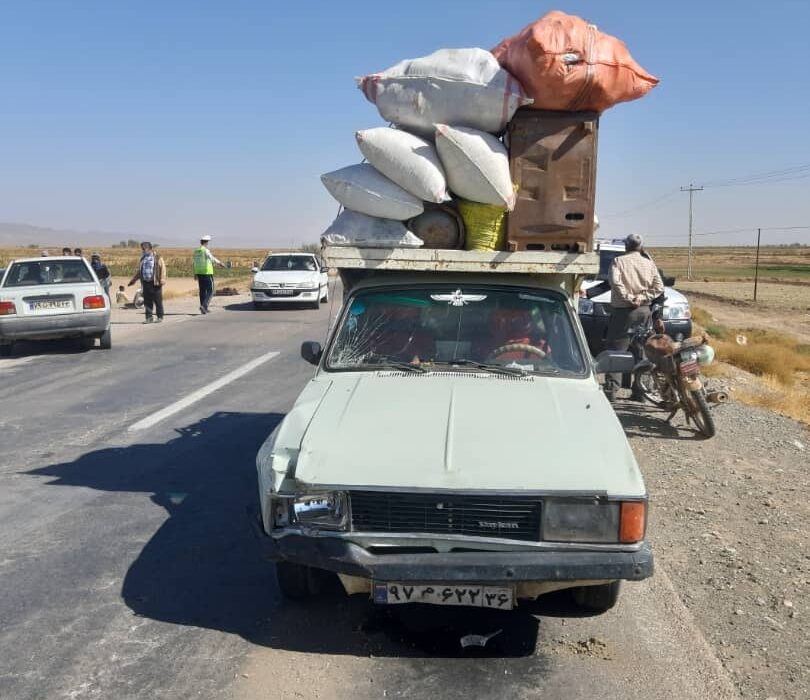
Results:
x,y
634,283
152,274
102,273
204,262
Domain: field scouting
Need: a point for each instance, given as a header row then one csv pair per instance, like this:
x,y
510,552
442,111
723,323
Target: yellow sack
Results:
x,y
485,225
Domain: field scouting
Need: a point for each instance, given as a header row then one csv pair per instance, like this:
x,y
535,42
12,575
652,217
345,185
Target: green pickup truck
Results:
x,y
454,446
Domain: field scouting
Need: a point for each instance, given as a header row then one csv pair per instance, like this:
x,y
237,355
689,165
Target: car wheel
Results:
x,y
325,297
298,582
315,304
105,340
597,599
6,349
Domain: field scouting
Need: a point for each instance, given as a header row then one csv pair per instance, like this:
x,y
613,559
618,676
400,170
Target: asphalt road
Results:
x,y
128,568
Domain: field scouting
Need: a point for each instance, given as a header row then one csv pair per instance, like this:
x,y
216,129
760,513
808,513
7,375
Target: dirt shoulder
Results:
x,y
729,525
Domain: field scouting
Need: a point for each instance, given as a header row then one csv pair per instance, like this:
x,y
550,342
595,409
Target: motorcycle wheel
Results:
x,y
649,385
699,412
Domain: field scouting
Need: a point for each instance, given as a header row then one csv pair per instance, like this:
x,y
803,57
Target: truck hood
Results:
x,y
460,431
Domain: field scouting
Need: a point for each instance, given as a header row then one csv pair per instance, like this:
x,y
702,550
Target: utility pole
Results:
x,y
690,190
756,264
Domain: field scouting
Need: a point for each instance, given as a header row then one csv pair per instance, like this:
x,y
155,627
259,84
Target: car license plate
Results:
x,y
282,292
498,597
48,305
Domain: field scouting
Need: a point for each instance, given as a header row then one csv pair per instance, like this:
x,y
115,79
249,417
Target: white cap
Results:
x,y
206,238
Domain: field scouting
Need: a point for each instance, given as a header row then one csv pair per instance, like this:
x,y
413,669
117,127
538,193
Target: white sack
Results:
x,y
476,165
352,228
365,189
407,160
464,87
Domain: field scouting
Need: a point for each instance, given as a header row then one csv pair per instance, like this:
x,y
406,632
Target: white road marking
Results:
x,y
192,398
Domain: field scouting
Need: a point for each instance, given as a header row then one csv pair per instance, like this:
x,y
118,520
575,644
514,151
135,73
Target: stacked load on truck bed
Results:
x,y
471,160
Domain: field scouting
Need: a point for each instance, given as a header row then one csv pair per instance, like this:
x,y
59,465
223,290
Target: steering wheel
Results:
x,y
518,347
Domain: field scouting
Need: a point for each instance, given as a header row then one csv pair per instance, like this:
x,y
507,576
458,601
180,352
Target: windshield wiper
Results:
x,y
485,366
395,364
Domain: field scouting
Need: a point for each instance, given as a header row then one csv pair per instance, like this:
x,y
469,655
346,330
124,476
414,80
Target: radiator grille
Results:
x,y
515,518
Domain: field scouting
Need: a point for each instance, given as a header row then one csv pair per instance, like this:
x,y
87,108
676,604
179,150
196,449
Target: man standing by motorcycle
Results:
x,y
634,283
204,262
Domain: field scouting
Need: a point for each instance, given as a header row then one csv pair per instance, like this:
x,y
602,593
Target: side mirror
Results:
x,y
311,351
609,361
254,269
668,281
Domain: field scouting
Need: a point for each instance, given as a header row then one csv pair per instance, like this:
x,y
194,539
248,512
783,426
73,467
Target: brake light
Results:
x,y
632,521
7,308
94,302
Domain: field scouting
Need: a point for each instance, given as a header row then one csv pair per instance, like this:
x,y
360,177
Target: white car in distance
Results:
x,y
290,278
49,298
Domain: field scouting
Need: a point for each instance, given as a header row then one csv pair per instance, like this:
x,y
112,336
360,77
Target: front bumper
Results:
x,y
266,296
75,325
344,557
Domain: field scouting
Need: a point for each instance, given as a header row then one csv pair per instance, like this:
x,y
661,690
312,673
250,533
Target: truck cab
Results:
x,y
437,456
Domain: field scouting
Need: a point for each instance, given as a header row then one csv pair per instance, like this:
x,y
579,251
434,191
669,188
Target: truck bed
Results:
x,y
432,260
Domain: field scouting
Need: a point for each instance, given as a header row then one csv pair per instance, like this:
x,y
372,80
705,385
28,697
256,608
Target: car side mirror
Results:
x,y
311,351
609,361
254,269
668,281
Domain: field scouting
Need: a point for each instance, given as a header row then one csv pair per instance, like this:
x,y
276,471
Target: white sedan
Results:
x,y
52,297
290,278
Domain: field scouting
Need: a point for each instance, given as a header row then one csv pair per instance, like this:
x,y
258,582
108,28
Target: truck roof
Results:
x,y
431,260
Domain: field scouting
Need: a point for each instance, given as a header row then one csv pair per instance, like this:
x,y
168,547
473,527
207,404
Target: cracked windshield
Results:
x,y
504,330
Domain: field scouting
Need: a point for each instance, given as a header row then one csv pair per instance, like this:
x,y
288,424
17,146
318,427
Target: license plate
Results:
x,y
48,305
498,597
282,292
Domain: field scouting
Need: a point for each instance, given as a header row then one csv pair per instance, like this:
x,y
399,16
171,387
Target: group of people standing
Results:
x,y
152,275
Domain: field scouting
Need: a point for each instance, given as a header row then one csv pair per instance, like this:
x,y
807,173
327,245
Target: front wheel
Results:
x,y
652,387
699,412
597,599
298,582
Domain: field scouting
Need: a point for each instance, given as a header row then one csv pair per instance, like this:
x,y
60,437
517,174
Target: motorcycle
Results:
x,y
669,377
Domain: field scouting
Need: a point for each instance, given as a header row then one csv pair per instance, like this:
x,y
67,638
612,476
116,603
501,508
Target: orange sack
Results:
x,y
566,64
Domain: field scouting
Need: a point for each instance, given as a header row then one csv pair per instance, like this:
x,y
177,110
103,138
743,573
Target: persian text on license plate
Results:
x,y
282,292
47,305
498,597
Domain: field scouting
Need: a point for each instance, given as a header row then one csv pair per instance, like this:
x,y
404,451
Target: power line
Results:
x,y
650,203
796,169
691,190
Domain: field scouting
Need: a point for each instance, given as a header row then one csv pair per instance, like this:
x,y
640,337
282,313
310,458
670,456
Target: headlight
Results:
x,y
585,306
326,511
308,285
677,312
594,521
705,355
260,285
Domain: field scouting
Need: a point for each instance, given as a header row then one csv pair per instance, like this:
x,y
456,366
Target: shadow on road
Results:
x,y
643,420
67,346
268,307
203,568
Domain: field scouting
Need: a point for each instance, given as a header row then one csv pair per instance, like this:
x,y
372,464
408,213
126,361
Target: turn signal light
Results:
x,y
94,302
7,308
632,521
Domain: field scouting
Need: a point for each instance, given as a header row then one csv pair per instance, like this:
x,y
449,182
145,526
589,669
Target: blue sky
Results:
x,y
174,119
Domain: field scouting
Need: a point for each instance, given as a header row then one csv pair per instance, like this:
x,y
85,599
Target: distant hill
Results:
x,y
24,235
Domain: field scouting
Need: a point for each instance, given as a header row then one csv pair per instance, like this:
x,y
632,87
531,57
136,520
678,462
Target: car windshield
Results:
x,y
41,272
482,328
295,263
606,258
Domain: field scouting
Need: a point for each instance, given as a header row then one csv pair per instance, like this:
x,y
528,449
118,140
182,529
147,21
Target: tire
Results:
x,y
105,340
646,382
315,304
597,599
6,349
701,414
325,297
296,581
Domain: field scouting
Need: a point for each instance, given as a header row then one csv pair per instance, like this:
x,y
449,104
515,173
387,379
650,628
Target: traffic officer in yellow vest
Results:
x,y
204,262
